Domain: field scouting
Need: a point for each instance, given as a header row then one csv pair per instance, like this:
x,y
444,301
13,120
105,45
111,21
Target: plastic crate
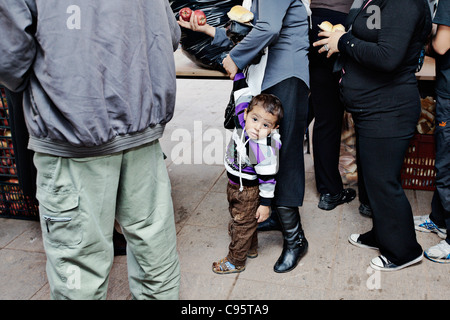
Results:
x,y
13,203
418,171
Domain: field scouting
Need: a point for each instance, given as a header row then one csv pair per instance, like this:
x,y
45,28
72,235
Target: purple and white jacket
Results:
x,y
251,162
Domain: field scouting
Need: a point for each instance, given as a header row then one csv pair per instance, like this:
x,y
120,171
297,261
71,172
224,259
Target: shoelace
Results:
x,y
429,225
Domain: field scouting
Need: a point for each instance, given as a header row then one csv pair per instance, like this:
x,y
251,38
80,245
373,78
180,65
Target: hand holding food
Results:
x,y
331,34
195,21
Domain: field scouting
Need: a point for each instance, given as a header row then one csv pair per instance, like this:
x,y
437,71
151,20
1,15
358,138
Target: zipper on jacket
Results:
x,y
55,219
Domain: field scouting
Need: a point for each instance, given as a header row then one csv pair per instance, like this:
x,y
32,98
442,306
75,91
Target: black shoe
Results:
x,y
119,243
295,244
272,223
329,201
365,210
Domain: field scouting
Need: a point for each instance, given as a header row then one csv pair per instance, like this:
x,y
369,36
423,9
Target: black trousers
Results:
x,y
290,188
326,108
393,225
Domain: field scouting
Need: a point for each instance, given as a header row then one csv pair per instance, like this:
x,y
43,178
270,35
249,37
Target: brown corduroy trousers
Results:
x,y
242,227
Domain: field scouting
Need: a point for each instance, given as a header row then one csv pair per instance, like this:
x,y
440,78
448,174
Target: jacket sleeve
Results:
x,y
396,29
266,170
220,38
17,44
266,29
175,29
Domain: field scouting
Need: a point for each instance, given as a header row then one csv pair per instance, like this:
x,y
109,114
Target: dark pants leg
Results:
x,y
328,114
440,206
362,193
290,188
393,225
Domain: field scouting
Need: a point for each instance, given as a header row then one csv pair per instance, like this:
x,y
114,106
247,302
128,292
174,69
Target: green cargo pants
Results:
x,y
79,199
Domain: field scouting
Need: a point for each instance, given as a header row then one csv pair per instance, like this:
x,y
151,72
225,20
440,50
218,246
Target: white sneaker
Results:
x,y
381,263
424,224
354,239
439,253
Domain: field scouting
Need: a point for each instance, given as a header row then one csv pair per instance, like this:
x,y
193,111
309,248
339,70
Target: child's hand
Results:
x,y
262,213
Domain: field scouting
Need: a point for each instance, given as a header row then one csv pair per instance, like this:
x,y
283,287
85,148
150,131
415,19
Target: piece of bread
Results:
x,y
423,127
427,115
337,27
326,26
240,14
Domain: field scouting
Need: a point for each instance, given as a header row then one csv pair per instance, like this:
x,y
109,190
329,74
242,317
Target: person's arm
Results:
x,y
17,44
175,30
218,34
265,30
441,41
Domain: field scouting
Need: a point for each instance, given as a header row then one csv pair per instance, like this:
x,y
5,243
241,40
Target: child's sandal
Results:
x,y
252,254
224,266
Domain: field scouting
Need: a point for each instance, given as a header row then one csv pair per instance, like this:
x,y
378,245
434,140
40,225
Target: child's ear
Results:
x,y
245,114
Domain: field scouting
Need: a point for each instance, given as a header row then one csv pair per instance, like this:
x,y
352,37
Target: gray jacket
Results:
x,y
98,76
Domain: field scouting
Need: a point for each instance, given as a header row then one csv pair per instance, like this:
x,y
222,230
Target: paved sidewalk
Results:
x,y
332,268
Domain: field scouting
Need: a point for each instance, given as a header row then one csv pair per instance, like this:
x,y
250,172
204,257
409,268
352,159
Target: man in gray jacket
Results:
x,y
98,79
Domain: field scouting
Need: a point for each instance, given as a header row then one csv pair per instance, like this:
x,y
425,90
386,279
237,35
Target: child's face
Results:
x,y
259,123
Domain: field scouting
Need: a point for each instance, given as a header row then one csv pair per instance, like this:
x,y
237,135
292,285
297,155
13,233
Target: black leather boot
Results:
x,y
272,223
295,244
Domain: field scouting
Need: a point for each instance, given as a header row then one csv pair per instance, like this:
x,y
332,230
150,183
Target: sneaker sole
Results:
x,y
438,260
376,267
442,235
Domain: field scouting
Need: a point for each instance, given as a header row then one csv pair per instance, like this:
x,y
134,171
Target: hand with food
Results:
x,y
331,35
195,21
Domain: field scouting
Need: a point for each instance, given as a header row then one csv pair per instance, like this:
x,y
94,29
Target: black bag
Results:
x,y
229,123
237,31
231,118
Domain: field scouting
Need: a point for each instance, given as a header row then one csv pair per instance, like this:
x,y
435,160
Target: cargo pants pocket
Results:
x,y
60,217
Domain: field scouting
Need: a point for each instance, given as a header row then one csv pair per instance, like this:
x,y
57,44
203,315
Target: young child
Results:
x,y
251,162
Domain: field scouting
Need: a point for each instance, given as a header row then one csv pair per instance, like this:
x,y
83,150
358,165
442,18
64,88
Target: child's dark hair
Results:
x,y
270,103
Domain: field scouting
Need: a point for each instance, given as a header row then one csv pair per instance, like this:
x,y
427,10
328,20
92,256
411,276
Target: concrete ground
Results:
x,y
194,142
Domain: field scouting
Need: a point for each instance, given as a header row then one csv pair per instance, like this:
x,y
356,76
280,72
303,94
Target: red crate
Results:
x,y
13,203
418,171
